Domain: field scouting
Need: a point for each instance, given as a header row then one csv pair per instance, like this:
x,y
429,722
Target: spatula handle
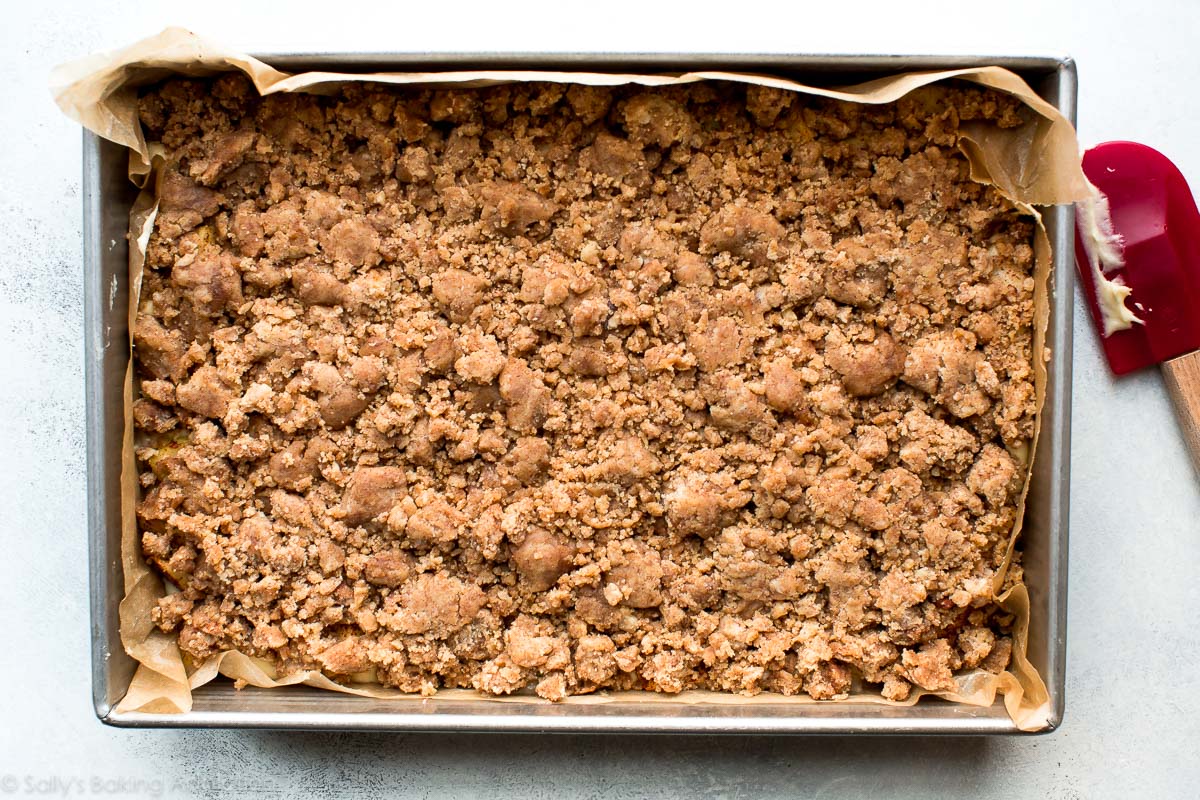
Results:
x,y
1182,376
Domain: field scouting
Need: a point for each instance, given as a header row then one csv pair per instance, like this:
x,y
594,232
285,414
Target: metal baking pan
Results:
x,y
107,196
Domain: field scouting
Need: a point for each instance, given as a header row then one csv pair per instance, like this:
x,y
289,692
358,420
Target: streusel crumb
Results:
x,y
578,388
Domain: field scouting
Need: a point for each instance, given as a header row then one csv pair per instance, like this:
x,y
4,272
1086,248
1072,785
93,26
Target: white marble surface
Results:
x,y
1135,522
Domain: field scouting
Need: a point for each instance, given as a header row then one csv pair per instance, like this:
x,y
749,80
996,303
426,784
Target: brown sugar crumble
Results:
x,y
571,388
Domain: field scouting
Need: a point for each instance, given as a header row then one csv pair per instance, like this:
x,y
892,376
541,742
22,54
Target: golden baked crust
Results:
x,y
576,388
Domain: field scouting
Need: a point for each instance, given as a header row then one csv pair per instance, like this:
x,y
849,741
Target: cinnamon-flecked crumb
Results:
x,y
568,388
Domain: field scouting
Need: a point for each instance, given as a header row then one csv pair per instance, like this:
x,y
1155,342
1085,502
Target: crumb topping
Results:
x,y
579,388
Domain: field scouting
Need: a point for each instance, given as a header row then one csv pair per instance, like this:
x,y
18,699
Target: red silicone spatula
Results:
x,y
1154,215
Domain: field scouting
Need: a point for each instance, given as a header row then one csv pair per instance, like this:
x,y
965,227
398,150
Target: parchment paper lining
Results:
x,y
1035,164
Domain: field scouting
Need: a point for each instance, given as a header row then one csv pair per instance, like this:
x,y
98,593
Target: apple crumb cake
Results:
x,y
574,389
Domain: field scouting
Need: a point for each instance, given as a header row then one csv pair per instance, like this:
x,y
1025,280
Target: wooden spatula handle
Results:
x,y
1182,375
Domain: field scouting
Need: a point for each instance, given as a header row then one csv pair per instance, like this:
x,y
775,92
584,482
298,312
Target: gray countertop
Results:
x,y
1132,725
